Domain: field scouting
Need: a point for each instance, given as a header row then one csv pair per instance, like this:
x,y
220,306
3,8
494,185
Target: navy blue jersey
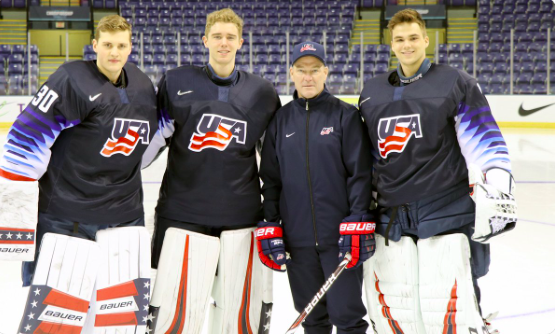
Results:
x,y
316,169
213,126
83,139
425,134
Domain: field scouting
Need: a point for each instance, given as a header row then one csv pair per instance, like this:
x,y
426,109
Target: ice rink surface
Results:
x,y
521,281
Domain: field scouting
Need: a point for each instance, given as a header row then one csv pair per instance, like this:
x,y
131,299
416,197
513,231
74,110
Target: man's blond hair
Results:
x,y
407,16
112,23
226,15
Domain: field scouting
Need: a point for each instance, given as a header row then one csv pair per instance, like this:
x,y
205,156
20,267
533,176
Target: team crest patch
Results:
x,y
126,134
394,133
307,47
214,131
326,131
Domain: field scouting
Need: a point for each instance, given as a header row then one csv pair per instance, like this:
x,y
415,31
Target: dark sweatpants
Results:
x,y
341,306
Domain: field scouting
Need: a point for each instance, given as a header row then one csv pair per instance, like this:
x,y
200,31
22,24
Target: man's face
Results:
x,y
409,44
309,75
222,42
112,50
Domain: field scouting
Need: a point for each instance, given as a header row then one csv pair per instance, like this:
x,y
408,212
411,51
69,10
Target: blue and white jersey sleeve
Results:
x,y
166,126
478,134
55,107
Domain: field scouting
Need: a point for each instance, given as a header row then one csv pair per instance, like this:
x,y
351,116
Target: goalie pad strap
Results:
x,y
62,285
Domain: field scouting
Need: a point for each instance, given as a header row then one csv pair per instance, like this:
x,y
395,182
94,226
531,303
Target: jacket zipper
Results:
x,y
308,174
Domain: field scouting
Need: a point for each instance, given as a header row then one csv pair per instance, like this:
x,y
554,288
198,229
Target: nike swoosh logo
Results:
x,y
364,100
289,135
92,98
187,92
524,112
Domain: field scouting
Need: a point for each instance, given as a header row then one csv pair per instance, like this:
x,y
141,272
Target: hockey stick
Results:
x,y
320,294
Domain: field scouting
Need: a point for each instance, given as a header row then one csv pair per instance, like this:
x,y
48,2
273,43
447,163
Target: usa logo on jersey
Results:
x,y
394,133
215,131
126,134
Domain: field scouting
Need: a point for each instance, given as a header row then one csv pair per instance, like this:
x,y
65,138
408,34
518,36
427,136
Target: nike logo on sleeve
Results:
x,y
183,93
289,135
524,112
92,98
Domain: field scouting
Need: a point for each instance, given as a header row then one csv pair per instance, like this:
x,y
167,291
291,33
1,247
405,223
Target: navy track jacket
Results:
x,y
316,169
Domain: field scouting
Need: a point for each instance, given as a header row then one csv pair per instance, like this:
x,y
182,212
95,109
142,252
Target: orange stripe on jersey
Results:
x,y
51,328
69,302
117,319
182,296
14,177
126,289
19,242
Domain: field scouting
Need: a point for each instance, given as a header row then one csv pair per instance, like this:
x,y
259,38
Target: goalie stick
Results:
x,y
320,294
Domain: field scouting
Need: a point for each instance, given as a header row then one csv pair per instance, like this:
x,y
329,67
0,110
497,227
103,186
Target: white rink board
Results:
x,y
505,108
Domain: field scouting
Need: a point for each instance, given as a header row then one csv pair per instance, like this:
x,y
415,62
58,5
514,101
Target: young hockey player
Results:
x,y
213,117
82,137
316,172
432,134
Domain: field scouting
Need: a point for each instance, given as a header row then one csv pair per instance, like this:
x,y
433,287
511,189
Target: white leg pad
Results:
x,y
122,291
62,285
391,286
183,283
447,294
243,288
18,219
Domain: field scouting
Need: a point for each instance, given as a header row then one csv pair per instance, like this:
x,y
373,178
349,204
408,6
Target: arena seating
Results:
x,y
14,79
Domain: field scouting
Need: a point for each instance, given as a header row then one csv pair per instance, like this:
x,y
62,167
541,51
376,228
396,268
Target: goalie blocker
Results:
x,y
241,288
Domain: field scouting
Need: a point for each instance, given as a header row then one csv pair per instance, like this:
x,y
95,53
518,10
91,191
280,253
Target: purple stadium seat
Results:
x,y
16,58
340,58
520,9
534,8
147,59
381,68
384,49
270,77
19,4
185,59
133,58
371,48
171,60
15,69
348,88
90,56
524,77
539,77
382,59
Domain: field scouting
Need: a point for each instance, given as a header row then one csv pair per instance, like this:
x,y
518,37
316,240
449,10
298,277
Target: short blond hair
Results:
x,y
112,23
226,15
407,16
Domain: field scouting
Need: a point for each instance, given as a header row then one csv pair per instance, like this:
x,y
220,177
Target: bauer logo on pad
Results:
x,y
395,132
126,134
215,131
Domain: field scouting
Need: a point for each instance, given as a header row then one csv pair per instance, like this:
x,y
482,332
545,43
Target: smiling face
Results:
x,y
309,75
112,50
409,44
223,41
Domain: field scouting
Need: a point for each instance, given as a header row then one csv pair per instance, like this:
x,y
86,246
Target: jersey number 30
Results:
x,y
44,98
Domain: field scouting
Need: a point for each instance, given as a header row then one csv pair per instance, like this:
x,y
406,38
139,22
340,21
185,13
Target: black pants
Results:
x,y
341,306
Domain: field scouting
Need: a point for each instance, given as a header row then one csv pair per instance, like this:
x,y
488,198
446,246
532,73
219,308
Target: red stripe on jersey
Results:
x,y
246,302
116,319
449,324
64,300
182,296
126,289
124,140
13,229
19,242
51,328
14,177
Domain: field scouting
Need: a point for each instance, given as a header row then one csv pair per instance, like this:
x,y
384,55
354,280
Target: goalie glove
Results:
x,y
271,249
496,209
357,238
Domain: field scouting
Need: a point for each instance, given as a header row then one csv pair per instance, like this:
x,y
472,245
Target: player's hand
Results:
x,y
357,237
496,209
271,248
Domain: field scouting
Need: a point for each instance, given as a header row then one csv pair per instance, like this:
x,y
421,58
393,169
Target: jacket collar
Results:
x,y
301,101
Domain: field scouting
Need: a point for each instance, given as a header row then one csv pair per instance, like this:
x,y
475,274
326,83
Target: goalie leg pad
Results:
x,y
18,219
122,291
62,285
243,289
184,280
391,286
447,295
